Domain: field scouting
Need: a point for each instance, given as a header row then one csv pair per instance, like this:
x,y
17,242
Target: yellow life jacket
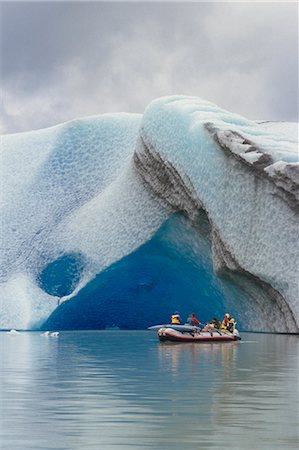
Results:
x,y
231,325
175,319
223,325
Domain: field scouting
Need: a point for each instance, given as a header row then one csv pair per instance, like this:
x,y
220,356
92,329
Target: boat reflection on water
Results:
x,y
174,356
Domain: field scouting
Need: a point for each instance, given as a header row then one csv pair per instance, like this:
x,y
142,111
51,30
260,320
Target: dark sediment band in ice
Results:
x,y
285,177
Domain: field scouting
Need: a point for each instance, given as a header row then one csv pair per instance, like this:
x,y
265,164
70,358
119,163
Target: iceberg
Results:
x,y
122,218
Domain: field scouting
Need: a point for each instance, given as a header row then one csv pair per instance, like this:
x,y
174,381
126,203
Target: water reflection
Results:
x,y
196,355
123,389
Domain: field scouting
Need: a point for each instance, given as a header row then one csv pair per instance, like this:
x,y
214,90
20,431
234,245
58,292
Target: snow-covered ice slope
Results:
x,y
69,195
81,197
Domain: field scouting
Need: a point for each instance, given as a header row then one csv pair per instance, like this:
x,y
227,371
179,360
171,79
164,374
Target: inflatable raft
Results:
x,y
184,333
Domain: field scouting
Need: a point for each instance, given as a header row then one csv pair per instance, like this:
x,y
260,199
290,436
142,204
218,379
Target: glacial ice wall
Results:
x,y
121,218
244,177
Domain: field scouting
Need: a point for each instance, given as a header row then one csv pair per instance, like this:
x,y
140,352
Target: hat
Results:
x,y
227,315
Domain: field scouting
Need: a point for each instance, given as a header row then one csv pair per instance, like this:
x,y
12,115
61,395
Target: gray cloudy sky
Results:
x,y
62,60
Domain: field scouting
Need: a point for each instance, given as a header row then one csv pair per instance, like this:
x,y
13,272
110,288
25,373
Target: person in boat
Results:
x,y
225,322
176,319
192,320
231,325
213,325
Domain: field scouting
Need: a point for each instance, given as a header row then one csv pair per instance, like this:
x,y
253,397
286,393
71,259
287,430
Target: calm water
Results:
x,y
115,389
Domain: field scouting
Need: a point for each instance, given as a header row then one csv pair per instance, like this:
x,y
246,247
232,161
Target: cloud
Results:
x,y
66,60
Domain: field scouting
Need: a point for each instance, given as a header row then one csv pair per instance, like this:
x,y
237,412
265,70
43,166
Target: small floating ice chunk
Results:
x,y
46,333
54,334
13,332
